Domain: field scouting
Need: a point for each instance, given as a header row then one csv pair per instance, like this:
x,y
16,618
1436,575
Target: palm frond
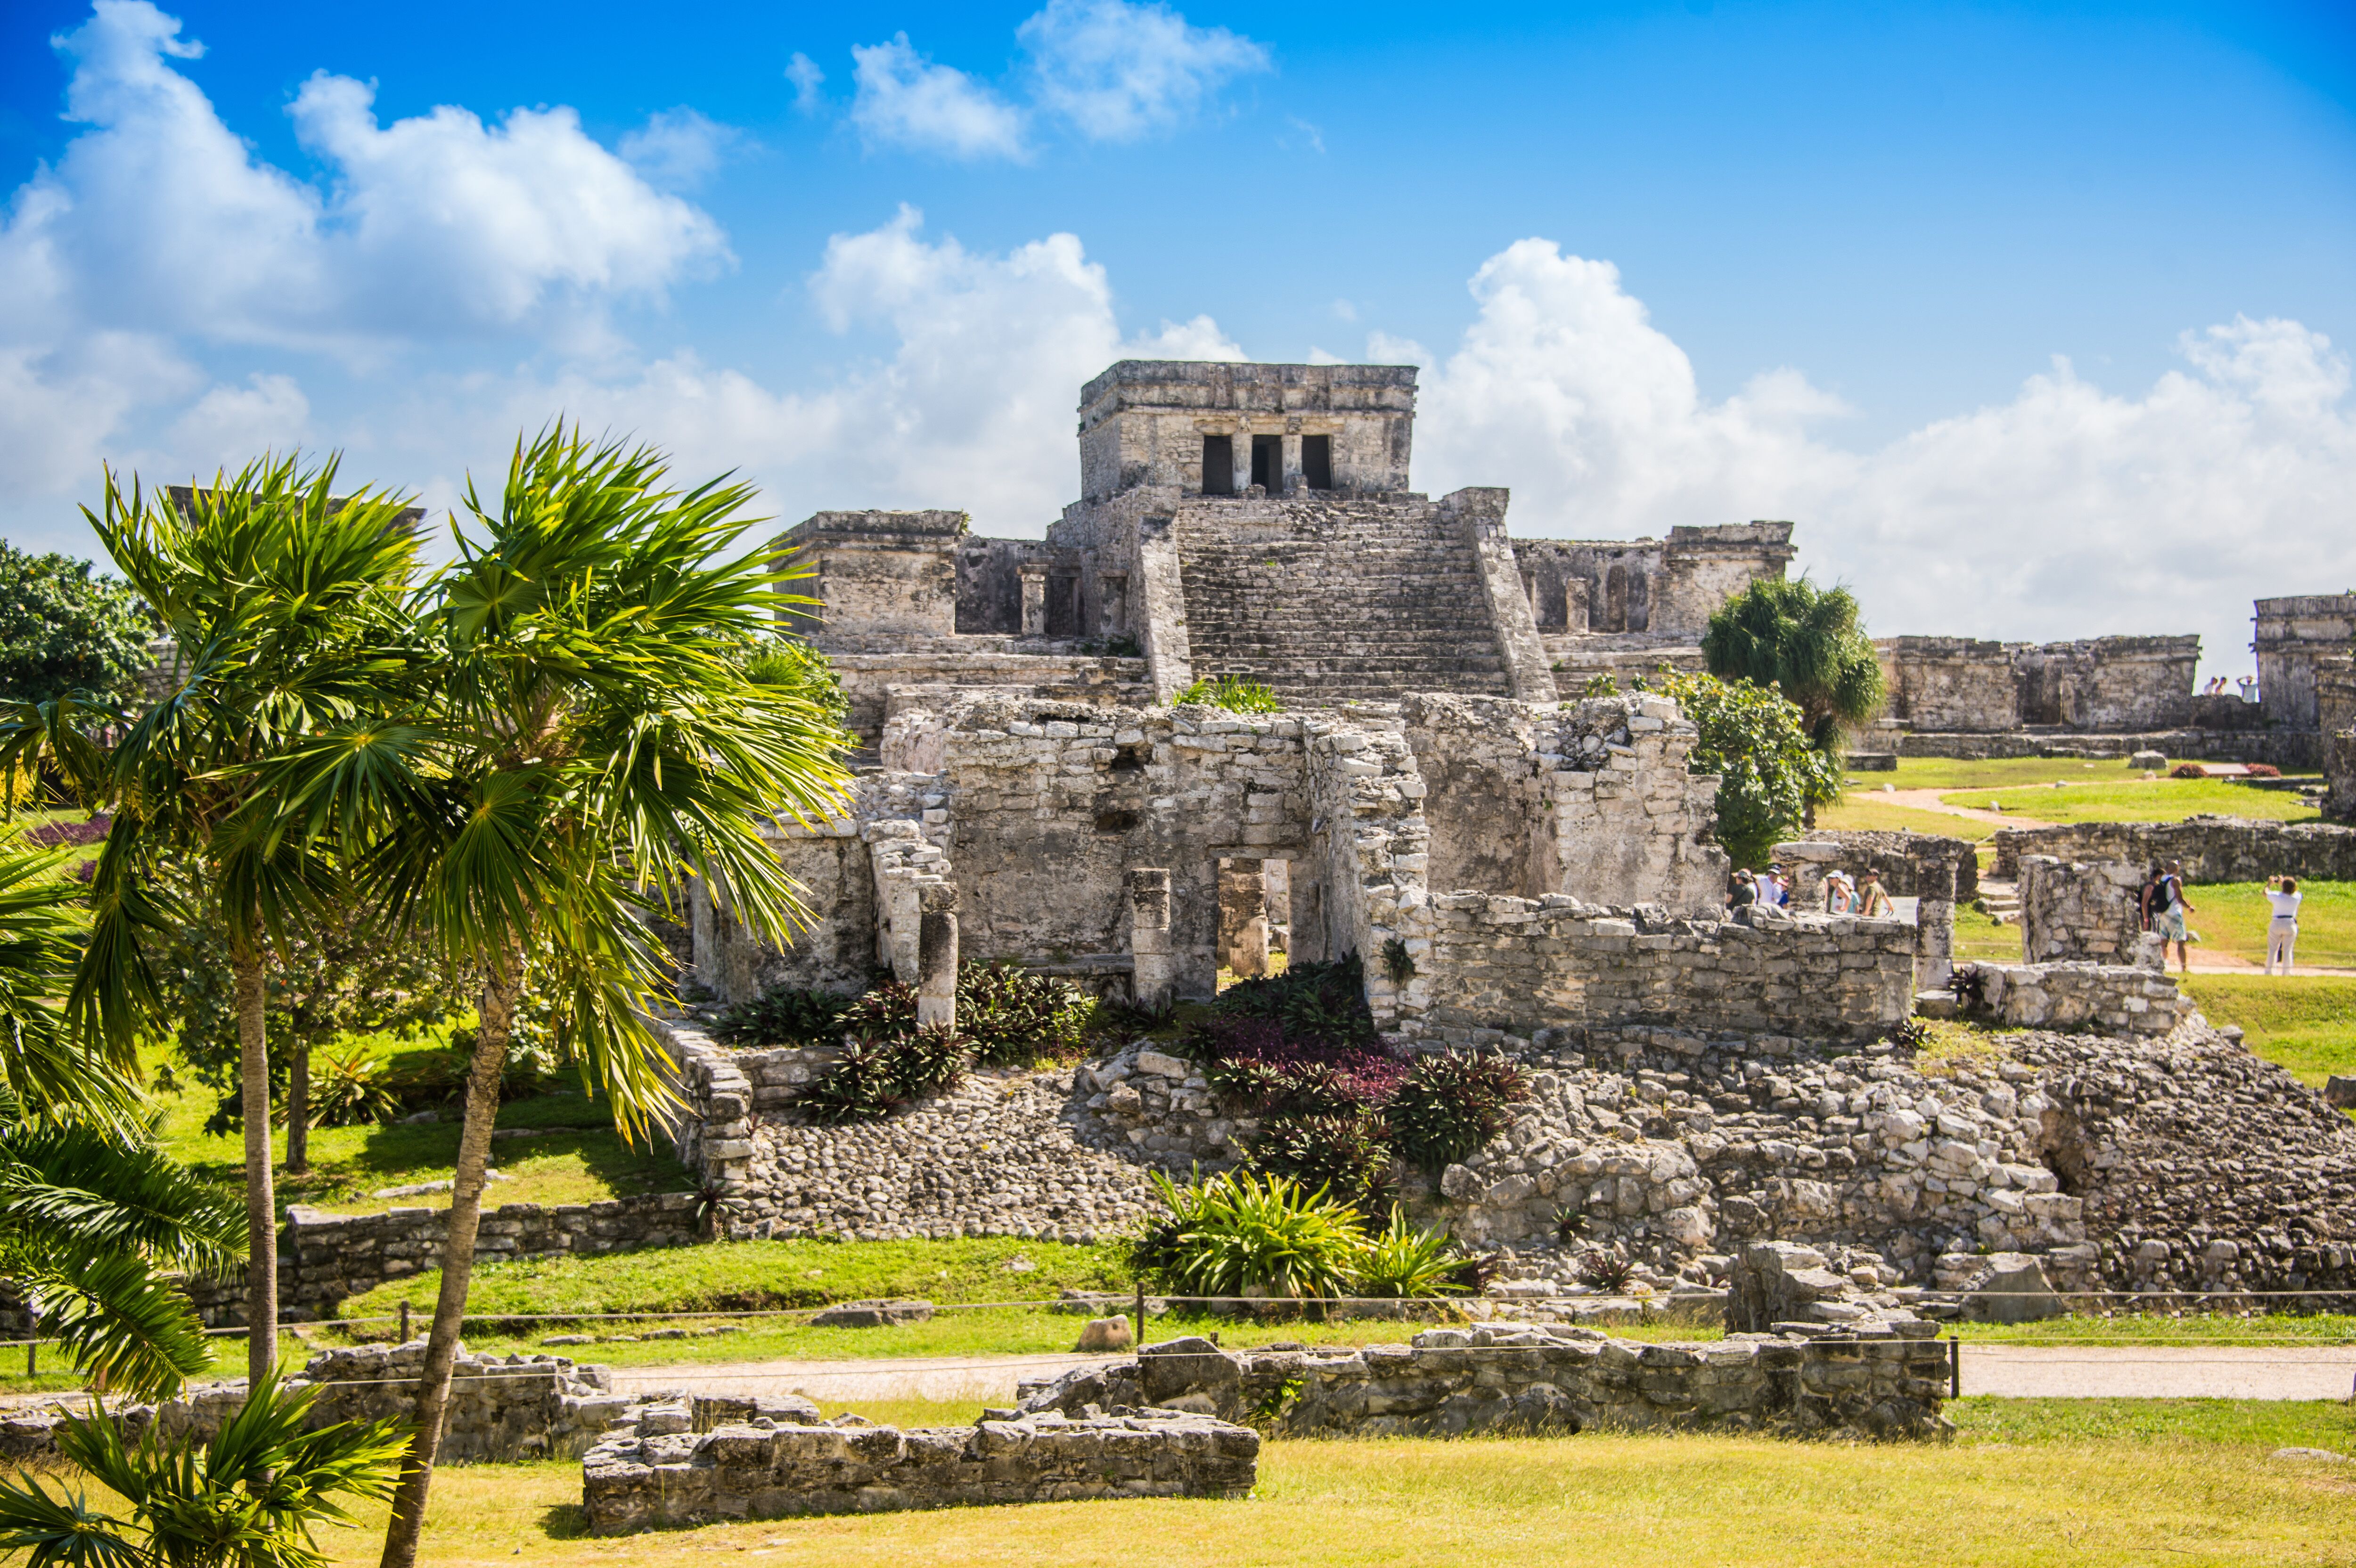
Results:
x,y
74,1188
118,1318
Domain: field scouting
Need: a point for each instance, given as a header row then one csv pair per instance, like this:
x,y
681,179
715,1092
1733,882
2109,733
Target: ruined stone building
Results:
x,y
1255,519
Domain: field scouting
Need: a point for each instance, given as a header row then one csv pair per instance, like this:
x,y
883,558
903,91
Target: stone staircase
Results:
x,y
1329,599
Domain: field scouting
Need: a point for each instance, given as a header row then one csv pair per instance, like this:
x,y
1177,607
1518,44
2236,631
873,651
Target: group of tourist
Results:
x,y
2163,906
1772,889
2219,686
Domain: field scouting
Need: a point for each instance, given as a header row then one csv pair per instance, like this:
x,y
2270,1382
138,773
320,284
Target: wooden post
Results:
x,y
1954,1367
404,1322
1140,1315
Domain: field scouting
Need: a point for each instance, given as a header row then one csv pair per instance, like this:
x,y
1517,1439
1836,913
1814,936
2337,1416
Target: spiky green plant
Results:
x,y
248,1497
1406,1260
1236,693
1241,1232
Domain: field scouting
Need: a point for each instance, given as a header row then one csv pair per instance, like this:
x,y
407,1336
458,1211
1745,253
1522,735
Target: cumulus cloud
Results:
x,y
229,424
1118,71
159,218
972,408
2068,511
905,100
679,148
804,73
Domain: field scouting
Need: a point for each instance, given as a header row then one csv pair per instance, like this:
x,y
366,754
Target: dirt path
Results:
x,y
2160,1371
1928,800
2021,1371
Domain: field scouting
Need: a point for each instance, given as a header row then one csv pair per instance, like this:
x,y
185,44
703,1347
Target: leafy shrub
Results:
x,y
1600,685
2264,770
873,1078
1403,1260
1320,1001
1606,1268
66,627
1243,1232
1397,962
885,1010
1450,1104
1344,1152
1769,770
1909,1033
1010,1015
348,1087
1236,693
1258,1067
2187,771
783,1015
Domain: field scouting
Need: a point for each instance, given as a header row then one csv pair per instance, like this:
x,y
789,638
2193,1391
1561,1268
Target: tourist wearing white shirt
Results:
x,y
2282,931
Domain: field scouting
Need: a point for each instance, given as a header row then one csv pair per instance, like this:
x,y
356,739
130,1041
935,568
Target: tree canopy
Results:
x,y
1809,642
1757,744
65,626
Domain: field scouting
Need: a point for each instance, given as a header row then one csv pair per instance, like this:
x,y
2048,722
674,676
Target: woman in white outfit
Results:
x,y
2282,931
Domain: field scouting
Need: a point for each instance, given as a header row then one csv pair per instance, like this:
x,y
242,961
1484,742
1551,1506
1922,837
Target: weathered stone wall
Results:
x,y
2291,748
1935,873
2102,684
1516,966
2097,998
1055,672
2213,849
502,1408
2292,638
1663,587
2336,697
1512,1377
1143,423
324,1258
874,571
770,1469
2074,910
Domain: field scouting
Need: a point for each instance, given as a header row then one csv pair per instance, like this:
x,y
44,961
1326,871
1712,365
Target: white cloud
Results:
x,y
229,424
678,148
159,218
804,73
2068,511
972,408
1117,71
904,100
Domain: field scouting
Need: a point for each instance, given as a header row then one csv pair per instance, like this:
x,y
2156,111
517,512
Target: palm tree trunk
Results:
x,y
260,1200
408,1524
299,1106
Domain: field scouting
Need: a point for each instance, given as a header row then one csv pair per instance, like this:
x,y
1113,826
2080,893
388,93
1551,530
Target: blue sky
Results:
x,y
2035,318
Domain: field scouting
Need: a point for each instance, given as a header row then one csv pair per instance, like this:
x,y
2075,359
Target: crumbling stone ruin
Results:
x,y
676,1465
1253,519
1877,1380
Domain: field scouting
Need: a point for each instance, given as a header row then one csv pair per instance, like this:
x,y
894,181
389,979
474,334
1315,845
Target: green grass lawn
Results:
x,y
580,1159
2305,1023
2139,800
1979,936
2014,773
2232,918
1859,811
2027,1483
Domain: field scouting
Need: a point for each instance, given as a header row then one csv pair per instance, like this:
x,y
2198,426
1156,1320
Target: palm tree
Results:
x,y
1809,642
593,739
247,1497
92,1214
287,605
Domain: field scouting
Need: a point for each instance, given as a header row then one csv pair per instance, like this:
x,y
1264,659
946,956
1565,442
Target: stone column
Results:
x,y
1243,917
1035,598
1154,977
1112,603
936,956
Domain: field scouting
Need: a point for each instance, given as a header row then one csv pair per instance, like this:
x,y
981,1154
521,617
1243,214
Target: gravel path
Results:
x,y
1928,800
2047,1372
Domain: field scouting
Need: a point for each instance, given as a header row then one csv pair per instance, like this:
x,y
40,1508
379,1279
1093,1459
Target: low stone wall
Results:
x,y
2080,911
501,1409
325,1259
1885,1381
2098,998
2213,849
2289,748
765,1469
1937,873
1516,966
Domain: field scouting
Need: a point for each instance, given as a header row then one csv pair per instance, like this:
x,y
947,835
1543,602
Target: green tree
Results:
x,y
287,604
247,1497
1758,745
63,627
1806,640
92,1217
592,740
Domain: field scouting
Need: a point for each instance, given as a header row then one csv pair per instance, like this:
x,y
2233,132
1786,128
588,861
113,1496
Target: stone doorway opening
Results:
x,y
1255,917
